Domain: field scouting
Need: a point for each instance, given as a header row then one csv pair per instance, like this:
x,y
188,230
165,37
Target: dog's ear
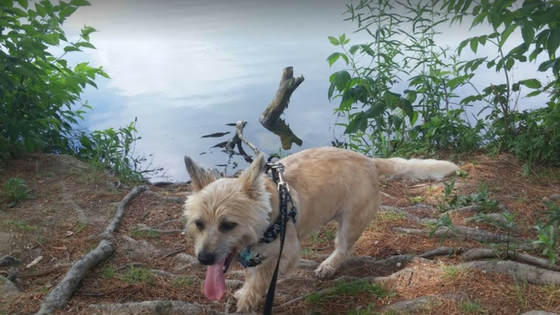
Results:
x,y
199,177
251,178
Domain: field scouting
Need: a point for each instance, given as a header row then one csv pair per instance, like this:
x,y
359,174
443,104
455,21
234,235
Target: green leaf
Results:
x,y
80,3
531,83
85,44
375,110
334,41
474,44
354,48
86,31
507,32
40,10
547,65
359,122
528,33
333,58
342,79
51,39
66,12
534,93
407,108
553,41
23,3
71,48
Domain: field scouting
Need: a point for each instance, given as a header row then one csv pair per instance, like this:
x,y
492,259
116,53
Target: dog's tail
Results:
x,y
416,169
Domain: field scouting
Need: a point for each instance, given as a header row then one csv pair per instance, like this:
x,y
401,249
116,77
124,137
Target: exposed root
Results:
x,y
143,227
108,233
487,253
442,251
59,296
421,302
172,199
519,271
466,233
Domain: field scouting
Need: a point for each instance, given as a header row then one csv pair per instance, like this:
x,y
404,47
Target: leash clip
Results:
x,y
281,182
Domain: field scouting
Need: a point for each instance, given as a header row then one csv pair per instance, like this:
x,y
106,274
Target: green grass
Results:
x,y
306,251
453,271
183,282
20,225
144,234
350,288
138,275
16,191
109,272
471,307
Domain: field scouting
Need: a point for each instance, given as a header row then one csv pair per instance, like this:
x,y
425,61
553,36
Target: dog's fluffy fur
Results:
x,y
325,184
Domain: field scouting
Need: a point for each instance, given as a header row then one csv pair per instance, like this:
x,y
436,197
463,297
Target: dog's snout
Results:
x,y
206,258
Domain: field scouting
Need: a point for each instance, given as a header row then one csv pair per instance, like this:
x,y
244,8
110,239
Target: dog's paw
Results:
x,y
237,295
246,301
324,271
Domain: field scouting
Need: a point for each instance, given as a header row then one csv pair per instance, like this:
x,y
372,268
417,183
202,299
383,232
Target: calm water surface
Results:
x,y
184,68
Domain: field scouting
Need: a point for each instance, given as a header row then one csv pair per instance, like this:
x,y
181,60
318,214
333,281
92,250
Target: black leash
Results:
x,y
285,215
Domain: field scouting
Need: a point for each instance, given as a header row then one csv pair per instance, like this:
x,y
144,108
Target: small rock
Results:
x,y
9,261
7,287
539,313
186,258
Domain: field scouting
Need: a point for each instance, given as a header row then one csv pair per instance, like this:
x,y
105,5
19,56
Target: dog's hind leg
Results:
x,y
351,224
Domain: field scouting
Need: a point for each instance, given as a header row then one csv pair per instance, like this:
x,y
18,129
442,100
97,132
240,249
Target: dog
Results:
x,y
228,215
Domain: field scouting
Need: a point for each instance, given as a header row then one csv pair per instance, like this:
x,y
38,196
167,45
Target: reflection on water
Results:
x,y
184,67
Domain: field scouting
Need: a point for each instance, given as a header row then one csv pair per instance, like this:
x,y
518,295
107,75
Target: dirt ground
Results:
x,y
68,204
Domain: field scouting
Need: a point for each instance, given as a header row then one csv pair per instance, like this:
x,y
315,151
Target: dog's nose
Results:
x,y
206,258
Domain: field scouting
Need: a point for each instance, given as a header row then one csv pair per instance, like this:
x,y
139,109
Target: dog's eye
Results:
x,y
199,224
227,226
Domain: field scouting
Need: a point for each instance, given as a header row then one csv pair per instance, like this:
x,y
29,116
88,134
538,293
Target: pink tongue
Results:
x,y
215,283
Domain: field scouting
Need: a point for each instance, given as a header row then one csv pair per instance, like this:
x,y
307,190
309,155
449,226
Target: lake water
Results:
x,y
184,68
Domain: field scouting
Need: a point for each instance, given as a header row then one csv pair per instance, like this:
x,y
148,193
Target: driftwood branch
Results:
x,y
270,117
120,212
59,296
288,84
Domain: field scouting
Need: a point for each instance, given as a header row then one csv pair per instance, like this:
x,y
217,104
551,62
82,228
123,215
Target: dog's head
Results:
x,y
228,214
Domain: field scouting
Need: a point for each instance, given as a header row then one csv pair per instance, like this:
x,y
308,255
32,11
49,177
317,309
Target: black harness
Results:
x,y
246,257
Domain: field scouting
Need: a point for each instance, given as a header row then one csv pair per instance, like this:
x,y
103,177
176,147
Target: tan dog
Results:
x,y
229,214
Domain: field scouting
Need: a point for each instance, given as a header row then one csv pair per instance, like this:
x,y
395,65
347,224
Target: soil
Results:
x,y
69,204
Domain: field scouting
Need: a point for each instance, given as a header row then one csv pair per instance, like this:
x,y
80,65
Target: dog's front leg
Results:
x,y
257,279
256,283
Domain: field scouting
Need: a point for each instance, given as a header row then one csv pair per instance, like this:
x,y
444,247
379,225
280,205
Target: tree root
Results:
x,y
108,233
171,199
59,296
143,227
419,303
519,271
442,251
466,233
487,253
